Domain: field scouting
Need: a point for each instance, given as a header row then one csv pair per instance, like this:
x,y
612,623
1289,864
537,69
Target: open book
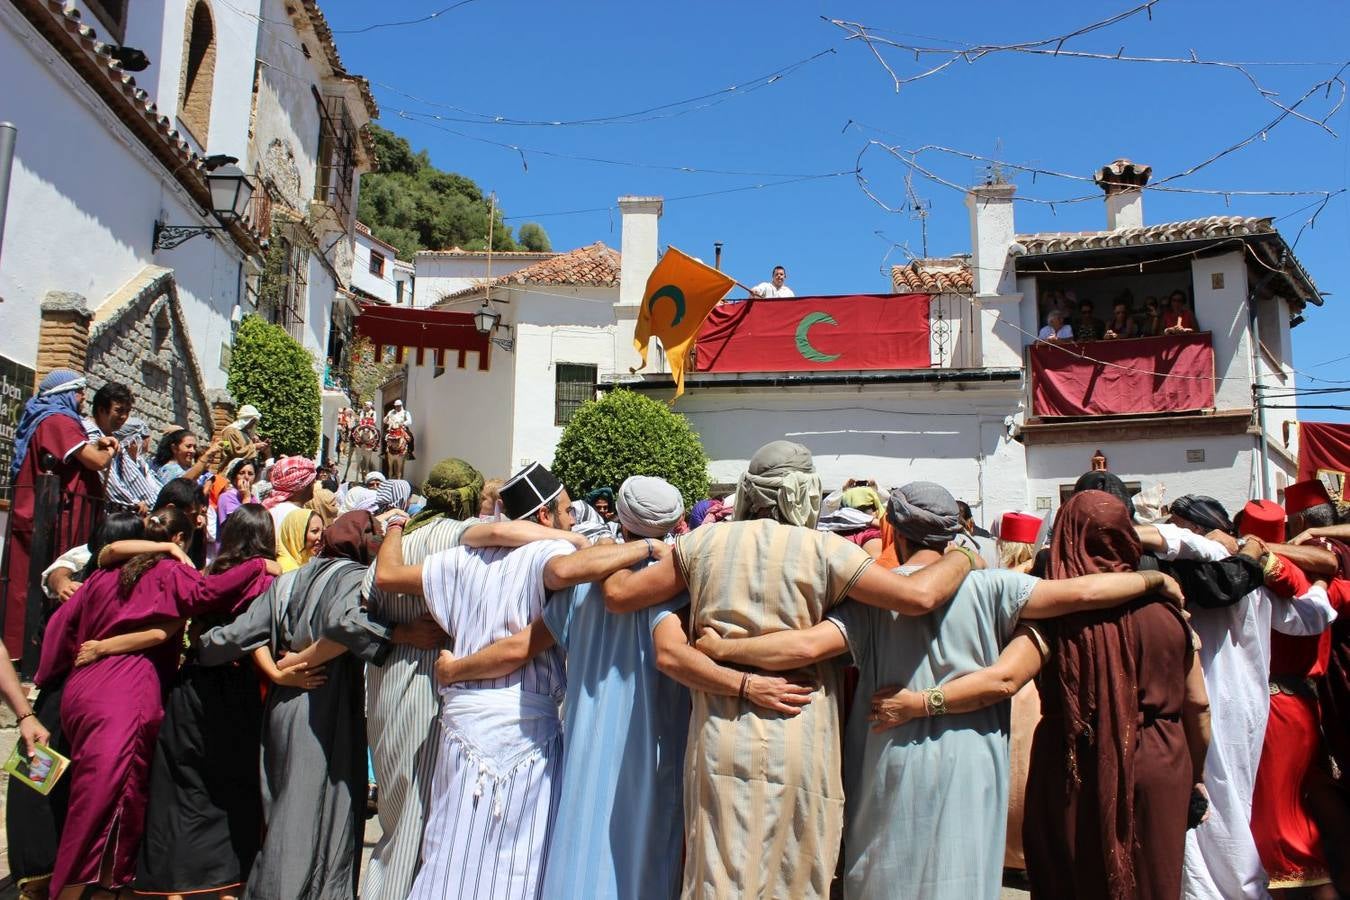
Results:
x,y
41,772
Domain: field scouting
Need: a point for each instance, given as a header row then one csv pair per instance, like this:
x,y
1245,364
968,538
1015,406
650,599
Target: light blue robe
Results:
x,y
927,803
619,821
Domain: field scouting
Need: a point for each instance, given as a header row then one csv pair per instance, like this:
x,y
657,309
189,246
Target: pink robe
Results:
x,y
111,709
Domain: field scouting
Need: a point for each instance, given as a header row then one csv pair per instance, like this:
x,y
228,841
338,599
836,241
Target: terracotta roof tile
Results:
x,y
330,51
595,265
949,275
1047,242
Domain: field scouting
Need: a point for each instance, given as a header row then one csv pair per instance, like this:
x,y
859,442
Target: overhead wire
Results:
x,y
418,21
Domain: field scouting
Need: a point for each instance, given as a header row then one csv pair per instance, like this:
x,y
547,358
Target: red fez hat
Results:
x,y
1019,528
1265,519
1303,495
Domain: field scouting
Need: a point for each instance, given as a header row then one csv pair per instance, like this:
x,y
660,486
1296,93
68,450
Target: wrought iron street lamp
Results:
x,y
230,193
487,321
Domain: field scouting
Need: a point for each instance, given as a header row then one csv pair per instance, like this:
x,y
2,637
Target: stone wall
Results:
x,y
138,338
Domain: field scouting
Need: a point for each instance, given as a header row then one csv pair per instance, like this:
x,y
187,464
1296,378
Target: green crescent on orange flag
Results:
x,y
680,293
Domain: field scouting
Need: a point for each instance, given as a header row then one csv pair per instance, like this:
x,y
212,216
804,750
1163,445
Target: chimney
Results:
x,y
991,237
1123,182
638,245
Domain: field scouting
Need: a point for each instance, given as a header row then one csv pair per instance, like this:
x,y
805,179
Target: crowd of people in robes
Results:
x,y
779,693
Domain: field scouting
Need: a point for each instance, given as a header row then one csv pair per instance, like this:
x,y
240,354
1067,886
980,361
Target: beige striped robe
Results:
x,y
763,796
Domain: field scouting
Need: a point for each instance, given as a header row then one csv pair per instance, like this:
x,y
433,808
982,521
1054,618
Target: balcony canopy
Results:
x,y
421,330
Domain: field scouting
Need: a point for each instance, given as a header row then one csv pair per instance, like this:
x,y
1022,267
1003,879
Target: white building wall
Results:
x,y
286,110
1223,312
463,413
894,434
83,201
362,278
440,274
1229,472
321,290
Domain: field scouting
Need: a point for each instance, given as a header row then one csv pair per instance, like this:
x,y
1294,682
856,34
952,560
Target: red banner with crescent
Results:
x,y
807,334
1324,453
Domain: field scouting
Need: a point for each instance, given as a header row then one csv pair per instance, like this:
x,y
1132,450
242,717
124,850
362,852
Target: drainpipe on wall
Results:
x,y
8,135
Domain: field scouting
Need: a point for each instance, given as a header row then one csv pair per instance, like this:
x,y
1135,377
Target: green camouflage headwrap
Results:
x,y
452,491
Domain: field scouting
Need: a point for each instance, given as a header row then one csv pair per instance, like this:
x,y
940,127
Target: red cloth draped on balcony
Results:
x,y
1324,448
1171,373
423,329
806,334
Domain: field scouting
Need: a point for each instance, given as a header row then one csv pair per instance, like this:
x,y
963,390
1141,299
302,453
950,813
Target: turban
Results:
x,y
248,416
698,512
291,475
924,513
55,397
131,429
374,476
359,498
845,519
393,493
781,479
1206,512
452,490
649,507
601,493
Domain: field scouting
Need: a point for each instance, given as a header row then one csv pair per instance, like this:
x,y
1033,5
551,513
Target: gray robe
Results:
x,y
314,742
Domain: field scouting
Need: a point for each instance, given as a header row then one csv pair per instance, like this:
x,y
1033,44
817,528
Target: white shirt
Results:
x,y
1065,333
398,418
766,289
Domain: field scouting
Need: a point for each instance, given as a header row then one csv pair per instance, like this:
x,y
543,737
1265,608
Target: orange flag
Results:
x,y
680,293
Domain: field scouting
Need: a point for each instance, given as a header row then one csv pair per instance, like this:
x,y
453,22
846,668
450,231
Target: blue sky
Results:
x,y
560,61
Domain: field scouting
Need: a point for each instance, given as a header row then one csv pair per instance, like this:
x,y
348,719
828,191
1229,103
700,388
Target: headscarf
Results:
x,y
132,428
55,397
699,511
452,490
1108,483
588,522
248,416
393,493
291,475
374,476
352,537
292,550
649,507
324,502
358,499
861,497
781,479
1098,673
924,513
845,520
1203,511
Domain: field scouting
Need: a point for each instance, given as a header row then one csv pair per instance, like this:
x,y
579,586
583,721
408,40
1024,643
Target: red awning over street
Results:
x,y
421,330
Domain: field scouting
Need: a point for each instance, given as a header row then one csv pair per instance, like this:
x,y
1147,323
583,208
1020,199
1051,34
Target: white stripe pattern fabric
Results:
x,y
403,725
494,796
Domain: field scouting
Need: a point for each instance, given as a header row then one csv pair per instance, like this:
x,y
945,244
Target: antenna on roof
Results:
x,y
918,208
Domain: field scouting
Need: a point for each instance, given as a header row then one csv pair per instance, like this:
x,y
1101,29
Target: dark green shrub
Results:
x,y
270,369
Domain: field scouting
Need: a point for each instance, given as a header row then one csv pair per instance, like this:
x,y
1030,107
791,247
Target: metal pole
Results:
x,y
9,133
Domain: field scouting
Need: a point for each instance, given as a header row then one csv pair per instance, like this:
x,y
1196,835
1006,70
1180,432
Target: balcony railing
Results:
x,y
1133,376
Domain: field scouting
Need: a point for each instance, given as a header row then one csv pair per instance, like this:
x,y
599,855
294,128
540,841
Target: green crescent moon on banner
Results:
x,y
675,294
804,341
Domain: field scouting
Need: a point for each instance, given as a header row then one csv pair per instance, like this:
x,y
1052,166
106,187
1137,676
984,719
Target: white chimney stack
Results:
x,y
1123,182
638,244
991,235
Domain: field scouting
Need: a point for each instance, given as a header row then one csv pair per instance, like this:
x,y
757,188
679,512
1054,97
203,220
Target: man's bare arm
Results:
x,y
1087,592
676,659
913,595
498,659
392,575
777,652
626,591
599,561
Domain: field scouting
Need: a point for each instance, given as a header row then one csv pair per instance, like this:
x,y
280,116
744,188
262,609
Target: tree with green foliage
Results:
x,y
533,237
624,434
269,369
413,205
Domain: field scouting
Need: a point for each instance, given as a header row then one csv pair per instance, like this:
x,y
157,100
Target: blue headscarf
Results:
x,y
55,397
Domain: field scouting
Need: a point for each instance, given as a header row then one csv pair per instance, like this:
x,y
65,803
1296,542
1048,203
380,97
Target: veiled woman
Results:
x,y
1112,763
314,741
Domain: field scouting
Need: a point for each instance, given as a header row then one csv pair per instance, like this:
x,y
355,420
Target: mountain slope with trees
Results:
x,y
413,205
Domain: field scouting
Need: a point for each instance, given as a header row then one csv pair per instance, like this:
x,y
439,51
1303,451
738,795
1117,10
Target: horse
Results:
x,y
395,450
365,443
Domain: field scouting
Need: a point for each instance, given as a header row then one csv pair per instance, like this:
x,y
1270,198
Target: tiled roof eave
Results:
x,y
79,45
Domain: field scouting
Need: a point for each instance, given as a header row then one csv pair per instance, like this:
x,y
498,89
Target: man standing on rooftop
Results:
x,y
775,288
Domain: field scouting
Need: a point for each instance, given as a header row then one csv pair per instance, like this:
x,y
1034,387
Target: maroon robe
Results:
x,y
111,709
61,437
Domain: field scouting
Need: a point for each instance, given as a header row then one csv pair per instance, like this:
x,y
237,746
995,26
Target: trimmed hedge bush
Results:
x,y
625,434
270,369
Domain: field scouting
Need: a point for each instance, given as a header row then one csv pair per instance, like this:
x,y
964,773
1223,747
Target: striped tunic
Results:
x,y
402,720
763,796
495,790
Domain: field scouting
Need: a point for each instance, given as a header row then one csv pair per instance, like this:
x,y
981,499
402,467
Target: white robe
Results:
x,y
1221,861
494,794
